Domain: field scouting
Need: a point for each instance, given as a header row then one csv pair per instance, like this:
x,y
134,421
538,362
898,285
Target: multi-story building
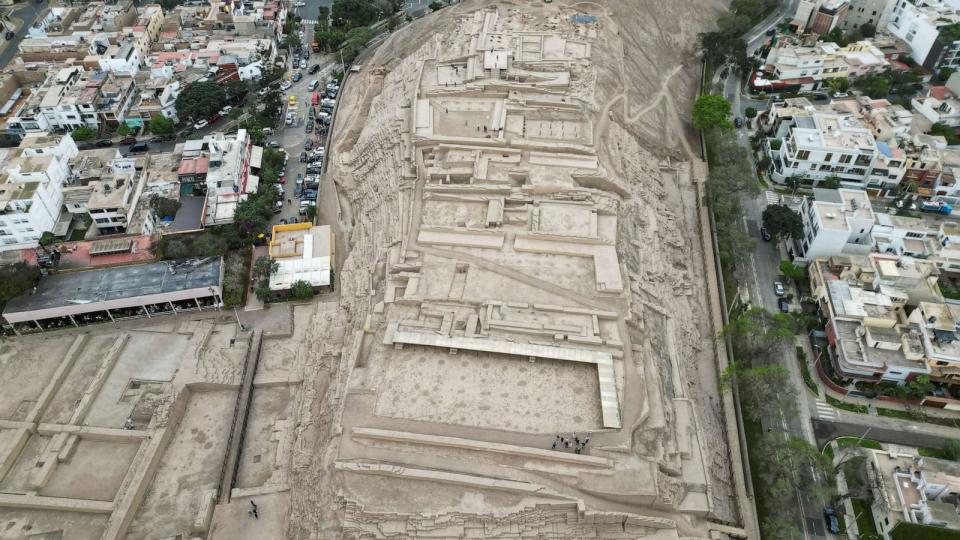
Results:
x,y
30,189
794,65
939,106
835,222
867,331
912,489
932,30
861,12
821,144
232,165
819,16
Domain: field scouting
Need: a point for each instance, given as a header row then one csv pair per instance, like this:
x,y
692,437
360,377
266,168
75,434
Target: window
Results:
x,y
846,158
828,157
803,154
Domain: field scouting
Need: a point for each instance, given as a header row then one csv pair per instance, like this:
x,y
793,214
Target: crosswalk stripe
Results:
x,y
825,410
772,197
308,21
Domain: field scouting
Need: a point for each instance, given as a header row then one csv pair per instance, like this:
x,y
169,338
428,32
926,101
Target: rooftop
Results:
x,y
70,289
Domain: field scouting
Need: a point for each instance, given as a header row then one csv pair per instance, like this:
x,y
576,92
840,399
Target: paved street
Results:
x,y
26,12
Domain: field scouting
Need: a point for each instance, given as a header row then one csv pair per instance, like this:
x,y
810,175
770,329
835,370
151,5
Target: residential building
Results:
x,y
821,144
31,199
912,489
868,335
303,252
939,106
835,222
861,12
819,16
232,168
794,65
932,30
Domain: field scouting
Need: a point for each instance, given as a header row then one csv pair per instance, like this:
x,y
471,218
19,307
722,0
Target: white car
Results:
x,y
286,86
201,124
290,118
300,4
226,110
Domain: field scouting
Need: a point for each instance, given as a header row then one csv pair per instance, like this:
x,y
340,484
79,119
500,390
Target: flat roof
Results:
x,y
76,289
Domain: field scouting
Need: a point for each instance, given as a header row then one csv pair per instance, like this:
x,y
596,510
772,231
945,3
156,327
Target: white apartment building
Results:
x,y
813,65
835,222
820,144
938,111
231,175
30,189
921,24
875,12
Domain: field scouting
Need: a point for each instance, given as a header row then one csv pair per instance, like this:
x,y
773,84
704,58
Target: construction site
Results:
x,y
526,260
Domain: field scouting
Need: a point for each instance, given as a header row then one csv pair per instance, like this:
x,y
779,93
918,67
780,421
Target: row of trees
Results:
x,y
725,45
731,177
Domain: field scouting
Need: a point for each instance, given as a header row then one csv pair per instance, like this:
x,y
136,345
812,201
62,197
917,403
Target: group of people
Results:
x,y
574,442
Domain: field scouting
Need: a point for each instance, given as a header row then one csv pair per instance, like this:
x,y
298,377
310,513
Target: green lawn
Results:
x,y
912,531
852,407
805,372
932,452
864,516
77,235
894,413
846,442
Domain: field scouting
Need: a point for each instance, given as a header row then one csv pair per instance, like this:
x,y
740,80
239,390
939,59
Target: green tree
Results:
x,y
16,279
868,30
236,89
764,391
830,182
711,111
750,112
83,133
161,125
123,130
756,331
436,5
855,471
292,41
323,16
947,132
875,86
209,245
951,450
782,222
263,292
838,84
778,527
200,100
164,206
787,465
264,267
792,271
394,21
46,239
311,213
301,290
920,387
353,13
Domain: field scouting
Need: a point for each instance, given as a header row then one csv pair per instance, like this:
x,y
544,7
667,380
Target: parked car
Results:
x,y
282,178
297,76
314,68
285,86
128,140
103,143
783,304
308,144
313,85
830,516
738,122
841,95
9,35
277,208
226,110
303,157
308,127
778,288
274,144
138,148
201,124
765,234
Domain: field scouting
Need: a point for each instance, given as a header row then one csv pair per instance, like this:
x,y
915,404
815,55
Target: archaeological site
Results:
x,y
522,343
